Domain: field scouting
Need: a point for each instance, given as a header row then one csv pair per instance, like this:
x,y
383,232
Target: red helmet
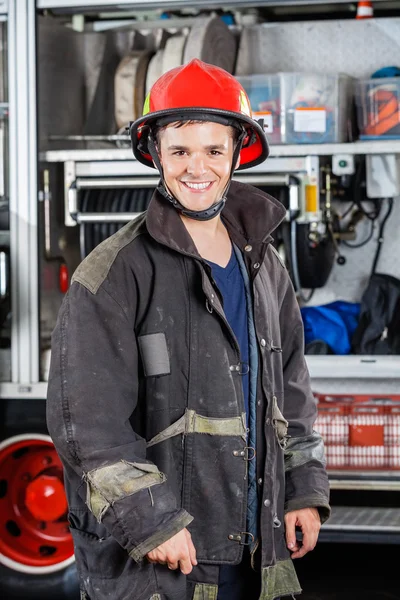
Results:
x,y
199,91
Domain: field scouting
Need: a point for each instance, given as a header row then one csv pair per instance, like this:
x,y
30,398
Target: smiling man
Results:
x,y
179,398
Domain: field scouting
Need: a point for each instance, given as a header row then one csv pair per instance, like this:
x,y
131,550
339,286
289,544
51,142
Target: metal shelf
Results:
x,y
19,391
169,4
354,367
353,524
102,154
365,480
362,147
369,147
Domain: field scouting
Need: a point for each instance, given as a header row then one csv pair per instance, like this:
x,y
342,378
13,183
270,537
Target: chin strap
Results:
x,y
197,215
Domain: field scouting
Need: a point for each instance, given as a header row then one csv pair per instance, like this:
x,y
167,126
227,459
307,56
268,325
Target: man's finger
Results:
x,y
309,542
294,548
173,565
186,565
153,556
192,552
156,556
290,523
300,553
310,537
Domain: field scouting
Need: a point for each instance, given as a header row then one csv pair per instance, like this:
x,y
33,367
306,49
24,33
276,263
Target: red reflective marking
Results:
x,y
63,279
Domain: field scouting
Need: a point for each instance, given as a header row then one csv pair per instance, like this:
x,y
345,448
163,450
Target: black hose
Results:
x,y
364,242
347,211
381,232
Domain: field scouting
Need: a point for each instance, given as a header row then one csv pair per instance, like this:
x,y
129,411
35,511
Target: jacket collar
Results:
x,y
250,216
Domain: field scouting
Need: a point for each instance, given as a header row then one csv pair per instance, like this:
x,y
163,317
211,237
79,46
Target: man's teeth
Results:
x,y
198,186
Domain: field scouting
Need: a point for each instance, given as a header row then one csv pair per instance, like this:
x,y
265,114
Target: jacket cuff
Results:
x,y
311,501
307,486
182,520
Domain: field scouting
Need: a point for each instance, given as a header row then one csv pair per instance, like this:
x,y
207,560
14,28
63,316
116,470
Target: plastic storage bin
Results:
x,y
316,107
265,100
378,108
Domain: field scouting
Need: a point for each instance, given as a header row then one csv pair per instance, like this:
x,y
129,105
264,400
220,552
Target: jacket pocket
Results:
x,y
154,352
279,423
97,554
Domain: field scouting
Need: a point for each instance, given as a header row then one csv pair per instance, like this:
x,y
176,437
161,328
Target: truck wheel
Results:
x,y
36,549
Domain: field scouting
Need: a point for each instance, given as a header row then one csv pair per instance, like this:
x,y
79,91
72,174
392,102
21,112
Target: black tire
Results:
x,y
62,585
22,417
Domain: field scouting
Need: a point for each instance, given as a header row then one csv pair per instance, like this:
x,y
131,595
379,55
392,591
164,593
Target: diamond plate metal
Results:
x,y
355,47
364,519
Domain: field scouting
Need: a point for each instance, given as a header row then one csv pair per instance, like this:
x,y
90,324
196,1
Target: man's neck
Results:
x,y
209,229
211,239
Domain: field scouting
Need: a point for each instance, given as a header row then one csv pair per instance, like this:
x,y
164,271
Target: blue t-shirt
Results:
x,y
231,285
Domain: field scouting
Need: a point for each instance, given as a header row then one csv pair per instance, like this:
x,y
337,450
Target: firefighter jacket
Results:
x,y
145,407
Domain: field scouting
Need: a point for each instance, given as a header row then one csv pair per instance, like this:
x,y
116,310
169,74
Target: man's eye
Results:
x,y
215,153
179,153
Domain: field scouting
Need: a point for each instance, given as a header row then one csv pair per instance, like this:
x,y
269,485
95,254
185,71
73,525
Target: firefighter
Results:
x,y
179,399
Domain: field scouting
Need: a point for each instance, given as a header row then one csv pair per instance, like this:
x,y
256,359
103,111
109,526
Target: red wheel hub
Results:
x,y
33,506
45,498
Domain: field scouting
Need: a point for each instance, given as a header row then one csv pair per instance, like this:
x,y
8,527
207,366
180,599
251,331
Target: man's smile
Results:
x,y
201,186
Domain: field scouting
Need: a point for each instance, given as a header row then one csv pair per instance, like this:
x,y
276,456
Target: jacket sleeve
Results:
x,y
92,392
307,482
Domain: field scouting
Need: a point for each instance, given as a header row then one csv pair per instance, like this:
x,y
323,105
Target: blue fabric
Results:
x,y
252,498
386,72
333,323
239,582
231,285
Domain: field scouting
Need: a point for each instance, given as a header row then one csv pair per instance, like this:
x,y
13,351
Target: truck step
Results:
x,y
355,524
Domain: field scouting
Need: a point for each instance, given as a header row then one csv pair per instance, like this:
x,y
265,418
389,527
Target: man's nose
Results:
x,y
196,165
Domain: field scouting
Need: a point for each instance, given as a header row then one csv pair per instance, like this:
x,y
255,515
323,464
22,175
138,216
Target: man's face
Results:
x,y
196,160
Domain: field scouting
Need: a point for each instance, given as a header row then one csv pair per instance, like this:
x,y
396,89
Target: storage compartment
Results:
x,y
316,108
360,432
335,254
265,99
378,108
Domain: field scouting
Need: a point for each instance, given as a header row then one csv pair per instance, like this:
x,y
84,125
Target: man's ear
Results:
x,y
237,163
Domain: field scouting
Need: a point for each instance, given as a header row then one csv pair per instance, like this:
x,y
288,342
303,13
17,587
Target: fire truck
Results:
x,y
72,74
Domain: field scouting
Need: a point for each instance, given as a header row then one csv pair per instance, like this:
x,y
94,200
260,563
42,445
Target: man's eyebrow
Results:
x,y
178,148
209,147
216,147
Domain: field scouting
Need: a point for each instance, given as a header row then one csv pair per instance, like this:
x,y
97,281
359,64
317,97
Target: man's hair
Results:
x,y
177,124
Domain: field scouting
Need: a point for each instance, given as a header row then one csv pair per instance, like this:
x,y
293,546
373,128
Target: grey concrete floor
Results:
x,y
350,572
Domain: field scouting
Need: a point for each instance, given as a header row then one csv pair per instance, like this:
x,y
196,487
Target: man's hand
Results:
x,y
307,519
178,551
